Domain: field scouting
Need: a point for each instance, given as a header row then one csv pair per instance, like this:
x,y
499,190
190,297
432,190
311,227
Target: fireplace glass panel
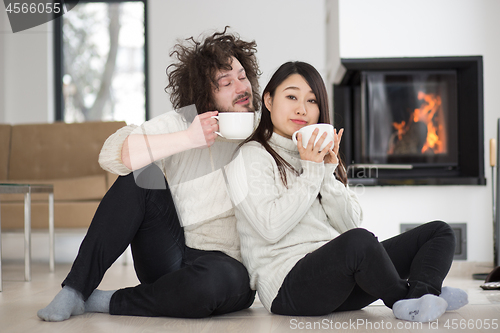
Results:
x,y
409,117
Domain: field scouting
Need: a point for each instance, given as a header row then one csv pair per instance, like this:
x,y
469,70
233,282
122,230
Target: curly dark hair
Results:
x,y
192,77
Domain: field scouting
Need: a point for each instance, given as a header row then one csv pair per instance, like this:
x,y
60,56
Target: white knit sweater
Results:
x,y
278,225
196,181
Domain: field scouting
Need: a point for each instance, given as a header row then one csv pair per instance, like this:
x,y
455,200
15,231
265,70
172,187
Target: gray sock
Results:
x,y
424,309
68,302
99,301
456,298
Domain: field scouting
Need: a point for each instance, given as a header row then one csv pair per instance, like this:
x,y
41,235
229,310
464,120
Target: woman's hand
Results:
x,y
332,154
311,152
202,130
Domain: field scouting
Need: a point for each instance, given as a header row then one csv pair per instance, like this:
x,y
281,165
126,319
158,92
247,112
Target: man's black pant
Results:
x,y
176,281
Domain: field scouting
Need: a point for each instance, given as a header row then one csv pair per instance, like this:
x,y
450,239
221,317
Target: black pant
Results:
x,y
354,269
176,281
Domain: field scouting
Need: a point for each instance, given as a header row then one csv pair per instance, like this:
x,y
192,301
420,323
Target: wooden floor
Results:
x,y
20,301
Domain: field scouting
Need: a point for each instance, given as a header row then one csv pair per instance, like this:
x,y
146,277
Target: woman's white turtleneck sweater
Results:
x,y
278,225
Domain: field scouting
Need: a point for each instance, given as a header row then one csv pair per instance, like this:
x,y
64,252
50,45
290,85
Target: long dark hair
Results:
x,y
192,77
264,130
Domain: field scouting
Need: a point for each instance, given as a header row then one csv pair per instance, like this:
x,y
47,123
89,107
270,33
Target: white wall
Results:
x,y
27,74
395,28
3,28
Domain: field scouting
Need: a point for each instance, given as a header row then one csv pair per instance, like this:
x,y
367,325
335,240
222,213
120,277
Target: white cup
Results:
x,y
307,131
235,125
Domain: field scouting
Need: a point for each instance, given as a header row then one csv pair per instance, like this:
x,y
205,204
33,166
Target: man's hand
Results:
x,y
202,130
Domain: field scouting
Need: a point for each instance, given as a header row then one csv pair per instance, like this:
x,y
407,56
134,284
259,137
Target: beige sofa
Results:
x,y
61,154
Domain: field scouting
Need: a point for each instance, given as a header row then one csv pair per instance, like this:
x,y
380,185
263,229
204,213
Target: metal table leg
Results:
x,y
51,232
27,189
27,236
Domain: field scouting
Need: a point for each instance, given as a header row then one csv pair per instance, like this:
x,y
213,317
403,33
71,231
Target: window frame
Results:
x,y
59,58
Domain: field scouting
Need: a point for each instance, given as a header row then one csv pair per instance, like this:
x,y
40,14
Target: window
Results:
x,y
101,62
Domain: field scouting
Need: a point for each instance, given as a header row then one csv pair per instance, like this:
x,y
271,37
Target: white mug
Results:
x,y
235,125
307,131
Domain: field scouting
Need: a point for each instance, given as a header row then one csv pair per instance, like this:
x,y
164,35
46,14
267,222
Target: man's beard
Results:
x,y
249,107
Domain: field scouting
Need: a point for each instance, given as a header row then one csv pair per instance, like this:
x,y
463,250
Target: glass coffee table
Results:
x,y
27,190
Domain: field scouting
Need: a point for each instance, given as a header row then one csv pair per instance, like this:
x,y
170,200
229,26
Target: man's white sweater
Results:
x,y
278,224
195,179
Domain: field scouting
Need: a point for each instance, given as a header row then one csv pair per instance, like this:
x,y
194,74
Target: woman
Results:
x,y
298,220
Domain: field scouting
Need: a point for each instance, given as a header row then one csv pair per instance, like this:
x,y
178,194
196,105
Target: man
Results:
x,y
183,237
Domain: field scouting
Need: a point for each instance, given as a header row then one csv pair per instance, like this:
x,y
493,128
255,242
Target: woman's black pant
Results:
x,y
176,281
355,269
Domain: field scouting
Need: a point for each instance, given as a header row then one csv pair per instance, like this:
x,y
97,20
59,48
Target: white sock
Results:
x,y
68,302
455,297
99,301
424,309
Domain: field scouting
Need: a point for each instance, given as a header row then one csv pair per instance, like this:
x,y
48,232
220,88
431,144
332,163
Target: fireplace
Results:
x,y
412,121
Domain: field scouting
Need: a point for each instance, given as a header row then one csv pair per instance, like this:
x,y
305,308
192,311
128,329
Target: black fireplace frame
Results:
x,y
470,168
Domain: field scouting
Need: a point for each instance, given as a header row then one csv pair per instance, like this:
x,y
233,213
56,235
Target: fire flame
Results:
x,y
400,127
429,113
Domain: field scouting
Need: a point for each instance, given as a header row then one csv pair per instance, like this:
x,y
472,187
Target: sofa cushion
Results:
x,y
58,150
5,131
81,188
